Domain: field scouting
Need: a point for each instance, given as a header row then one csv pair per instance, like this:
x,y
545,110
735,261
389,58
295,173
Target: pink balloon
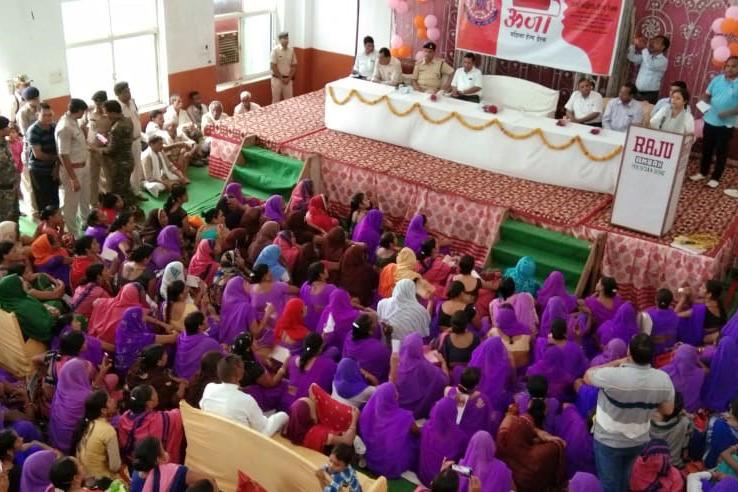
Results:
x,y
401,7
391,3
434,34
732,12
396,41
431,21
718,41
721,53
717,25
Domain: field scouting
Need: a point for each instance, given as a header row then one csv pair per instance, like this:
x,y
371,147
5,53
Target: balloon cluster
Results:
x,y
723,27
426,27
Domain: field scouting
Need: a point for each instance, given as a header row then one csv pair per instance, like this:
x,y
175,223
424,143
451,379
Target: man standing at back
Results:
x,y
118,150
130,110
42,158
9,178
74,173
630,391
23,120
284,66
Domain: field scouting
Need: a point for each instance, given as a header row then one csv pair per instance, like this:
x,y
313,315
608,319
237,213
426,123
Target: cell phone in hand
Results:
x,y
462,470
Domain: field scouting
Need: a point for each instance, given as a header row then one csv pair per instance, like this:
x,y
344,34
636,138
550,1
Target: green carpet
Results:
x,y
551,251
267,173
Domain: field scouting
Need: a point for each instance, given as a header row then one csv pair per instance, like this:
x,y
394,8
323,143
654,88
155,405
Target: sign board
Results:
x,y
650,179
574,35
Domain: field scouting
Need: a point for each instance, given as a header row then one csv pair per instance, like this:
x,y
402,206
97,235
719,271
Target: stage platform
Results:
x,y
468,205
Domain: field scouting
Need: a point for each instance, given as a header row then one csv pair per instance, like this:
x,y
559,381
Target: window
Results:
x,y
245,31
109,41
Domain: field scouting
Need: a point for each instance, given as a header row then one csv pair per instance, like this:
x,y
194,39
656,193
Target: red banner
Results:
x,y
575,35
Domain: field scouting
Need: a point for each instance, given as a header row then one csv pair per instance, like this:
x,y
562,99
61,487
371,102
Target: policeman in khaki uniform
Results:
x,y
284,66
9,177
431,74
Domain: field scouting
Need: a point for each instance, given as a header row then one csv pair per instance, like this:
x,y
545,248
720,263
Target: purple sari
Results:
x,y
321,373
555,309
692,330
419,383
386,429
721,384
585,482
555,286
337,319
131,336
168,247
68,405
416,234
665,328
98,232
190,349
35,472
92,352
441,438
586,401
553,368
572,428
372,355
112,241
508,323
600,313
687,375
624,325
497,372
615,349
56,268
315,303
348,381
478,414
575,362
274,209
236,313
493,474
369,231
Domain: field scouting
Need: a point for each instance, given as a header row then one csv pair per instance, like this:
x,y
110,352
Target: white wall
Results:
x,y
189,41
334,24
375,20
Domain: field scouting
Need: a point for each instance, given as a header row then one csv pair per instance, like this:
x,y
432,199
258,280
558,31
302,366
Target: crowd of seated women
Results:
x,y
364,337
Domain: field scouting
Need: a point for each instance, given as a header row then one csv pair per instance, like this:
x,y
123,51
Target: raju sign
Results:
x,y
576,35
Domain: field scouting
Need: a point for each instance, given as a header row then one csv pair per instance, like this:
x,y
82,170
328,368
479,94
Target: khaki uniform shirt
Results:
x,y
25,118
70,140
284,59
94,122
390,74
429,75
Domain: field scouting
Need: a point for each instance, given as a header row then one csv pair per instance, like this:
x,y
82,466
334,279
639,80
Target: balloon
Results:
x,y
434,34
393,3
721,53
732,12
729,26
431,21
421,33
733,47
402,7
718,41
717,25
396,41
393,52
418,21
405,51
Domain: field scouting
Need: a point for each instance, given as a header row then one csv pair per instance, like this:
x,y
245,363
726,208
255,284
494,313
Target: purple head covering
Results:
x,y
35,473
385,429
721,385
190,349
600,313
555,286
623,326
552,367
112,241
615,349
687,375
348,381
508,323
493,362
315,303
68,404
555,309
493,474
416,233
274,208
236,191
169,247
369,232
692,330
236,313
524,306
131,336
98,232
585,482
371,354
440,438
572,428
342,313
419,382
665,327
731,327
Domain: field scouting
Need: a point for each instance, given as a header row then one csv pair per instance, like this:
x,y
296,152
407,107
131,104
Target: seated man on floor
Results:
x,y
196,109
388,69
179,147
467,82
155,126
159,173
245,105
623,111
227,400
431,74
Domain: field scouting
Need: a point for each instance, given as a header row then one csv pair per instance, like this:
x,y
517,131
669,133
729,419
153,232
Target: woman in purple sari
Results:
x,y
721,384
119,237
498,375
624,325
315,293
372,354
615,349
493,474
572,428
555,286
336,319
476,412
440,439
68,404
419,382
307,368
95,227
168,247
416,234
585,482
274,209
192,344
35,472
388,432
665,325
132,335
687,374
556,309
552,367
604,303
369,232
236,315
575,362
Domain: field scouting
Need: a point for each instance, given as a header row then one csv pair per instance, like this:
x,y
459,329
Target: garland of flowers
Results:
x,y
494,122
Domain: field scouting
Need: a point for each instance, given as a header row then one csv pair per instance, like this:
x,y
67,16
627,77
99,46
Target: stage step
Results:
x,y
551,251
267,173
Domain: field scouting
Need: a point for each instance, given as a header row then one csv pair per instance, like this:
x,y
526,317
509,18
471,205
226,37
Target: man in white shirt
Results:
x,y
467,82
623,111
388,69
130,110
196,109
245,105
366,60
155,126
585,105
74,172
179,147
227,400
159,172
653,64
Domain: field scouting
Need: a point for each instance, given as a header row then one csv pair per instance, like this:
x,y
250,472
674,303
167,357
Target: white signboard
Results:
x,y
650,179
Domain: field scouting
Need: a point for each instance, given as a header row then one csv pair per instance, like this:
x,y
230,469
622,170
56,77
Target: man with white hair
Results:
x,y
245,105
214,113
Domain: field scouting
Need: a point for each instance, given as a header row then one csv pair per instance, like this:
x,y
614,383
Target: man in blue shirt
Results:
x,y
720,120
338,473
42,158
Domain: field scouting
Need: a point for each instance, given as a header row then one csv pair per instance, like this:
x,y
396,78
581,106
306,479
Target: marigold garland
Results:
x,y
494,122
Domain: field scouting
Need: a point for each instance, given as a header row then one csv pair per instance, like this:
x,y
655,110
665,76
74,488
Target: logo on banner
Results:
x,y
481,12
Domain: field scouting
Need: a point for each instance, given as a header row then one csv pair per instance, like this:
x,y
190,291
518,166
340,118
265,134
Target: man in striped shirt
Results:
x,y
630,391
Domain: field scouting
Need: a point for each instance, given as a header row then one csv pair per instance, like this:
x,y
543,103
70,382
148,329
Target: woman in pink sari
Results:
x,y
203,262
108,313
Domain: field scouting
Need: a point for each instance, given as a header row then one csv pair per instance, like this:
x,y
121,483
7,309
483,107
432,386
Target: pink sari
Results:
x,y
164,425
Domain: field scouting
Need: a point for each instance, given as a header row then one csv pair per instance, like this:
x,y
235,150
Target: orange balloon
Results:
x,y
421,33
729,26
404,51
395,52
733,49
717,63
419,21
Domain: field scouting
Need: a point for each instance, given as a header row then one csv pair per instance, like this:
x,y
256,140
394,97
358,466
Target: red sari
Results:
x,y
332,417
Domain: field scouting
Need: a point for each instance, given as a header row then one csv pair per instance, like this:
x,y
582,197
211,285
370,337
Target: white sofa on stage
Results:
x,y
519,94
